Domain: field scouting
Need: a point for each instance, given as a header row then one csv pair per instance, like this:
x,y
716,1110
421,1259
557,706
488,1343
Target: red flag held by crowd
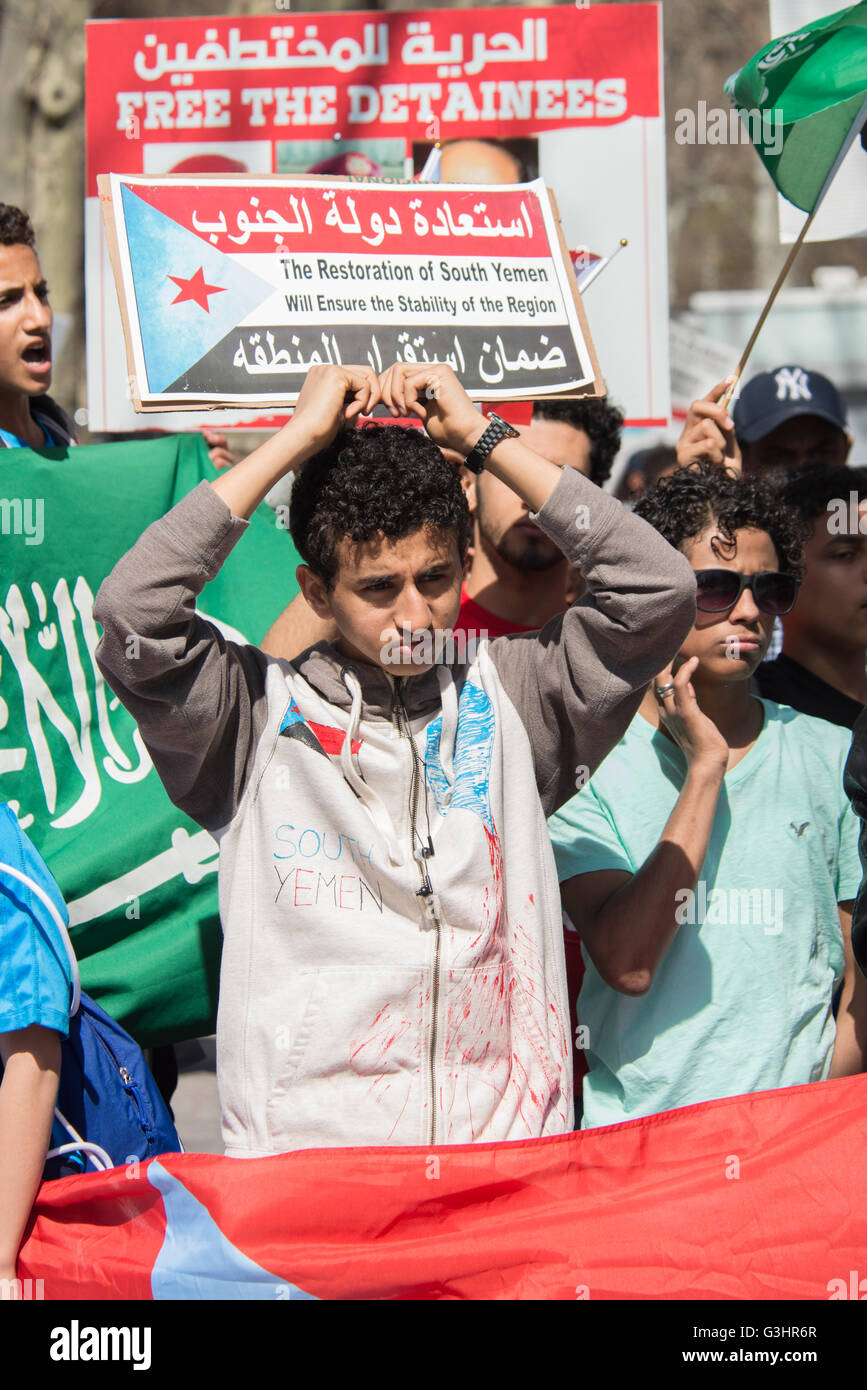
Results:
x,y
753,1197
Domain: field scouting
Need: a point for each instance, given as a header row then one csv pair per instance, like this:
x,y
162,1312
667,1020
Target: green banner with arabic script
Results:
x,y
802,97
139,877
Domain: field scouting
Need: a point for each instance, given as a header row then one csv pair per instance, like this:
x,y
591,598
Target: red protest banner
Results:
x,y
510,94
475,72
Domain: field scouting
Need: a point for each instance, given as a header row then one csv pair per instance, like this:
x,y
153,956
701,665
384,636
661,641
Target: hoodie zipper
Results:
x,y
426,893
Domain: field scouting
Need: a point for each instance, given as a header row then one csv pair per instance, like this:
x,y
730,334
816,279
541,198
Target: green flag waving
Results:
x,y
139,877
804,99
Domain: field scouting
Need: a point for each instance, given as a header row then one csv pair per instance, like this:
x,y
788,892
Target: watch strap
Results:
x,y
497,431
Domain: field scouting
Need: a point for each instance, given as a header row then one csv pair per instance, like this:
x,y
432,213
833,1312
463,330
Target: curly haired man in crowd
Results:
x,y
712,860
517,579
392,967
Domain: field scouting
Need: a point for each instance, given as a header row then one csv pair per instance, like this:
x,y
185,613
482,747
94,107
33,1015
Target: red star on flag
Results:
x,y
195,288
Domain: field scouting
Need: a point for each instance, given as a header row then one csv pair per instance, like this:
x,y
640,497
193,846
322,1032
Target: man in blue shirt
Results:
x,y
34,1015
29,418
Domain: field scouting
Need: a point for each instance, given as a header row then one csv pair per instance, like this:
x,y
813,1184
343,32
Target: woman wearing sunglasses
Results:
x,y
710,863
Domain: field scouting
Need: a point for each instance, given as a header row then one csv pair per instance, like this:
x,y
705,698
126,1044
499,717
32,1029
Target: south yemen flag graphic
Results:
x,y
231,290
758,1197
188,294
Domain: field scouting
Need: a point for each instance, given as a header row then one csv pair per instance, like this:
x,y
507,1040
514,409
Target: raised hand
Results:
x,y
709,432
681,718
432,392
218,448
329,396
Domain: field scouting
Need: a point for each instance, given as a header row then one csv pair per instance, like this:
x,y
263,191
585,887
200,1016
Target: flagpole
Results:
x,y
768,306
586,277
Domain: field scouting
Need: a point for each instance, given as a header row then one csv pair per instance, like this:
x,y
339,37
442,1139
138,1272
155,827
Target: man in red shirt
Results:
x,y
518,579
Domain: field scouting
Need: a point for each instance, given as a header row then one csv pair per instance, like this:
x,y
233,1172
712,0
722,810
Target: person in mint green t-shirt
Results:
x,y
711,862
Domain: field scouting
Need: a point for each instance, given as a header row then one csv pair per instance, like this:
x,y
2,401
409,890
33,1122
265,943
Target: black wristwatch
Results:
x,y
497,430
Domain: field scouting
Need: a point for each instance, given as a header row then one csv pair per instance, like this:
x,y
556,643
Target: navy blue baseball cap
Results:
x,y
773,397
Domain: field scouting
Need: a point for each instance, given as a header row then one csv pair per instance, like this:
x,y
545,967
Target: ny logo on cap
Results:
x,y
794,384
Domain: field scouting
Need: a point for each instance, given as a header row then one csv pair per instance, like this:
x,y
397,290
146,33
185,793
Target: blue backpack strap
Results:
x,y
108,1105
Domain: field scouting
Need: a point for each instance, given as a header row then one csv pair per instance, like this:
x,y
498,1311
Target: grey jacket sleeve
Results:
x,y
198,699
578,682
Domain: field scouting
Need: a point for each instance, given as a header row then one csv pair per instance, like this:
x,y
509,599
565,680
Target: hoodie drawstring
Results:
x,y
372,803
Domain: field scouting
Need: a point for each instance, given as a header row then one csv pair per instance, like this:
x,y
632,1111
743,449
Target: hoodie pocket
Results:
x,y
353,1061
499,1074
293,1041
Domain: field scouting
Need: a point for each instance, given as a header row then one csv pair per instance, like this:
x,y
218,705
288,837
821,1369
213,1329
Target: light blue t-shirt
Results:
x,y
34,969
35,978
742,1000
13,441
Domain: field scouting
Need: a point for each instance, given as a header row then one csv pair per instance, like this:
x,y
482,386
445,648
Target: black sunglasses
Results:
x,y
719,590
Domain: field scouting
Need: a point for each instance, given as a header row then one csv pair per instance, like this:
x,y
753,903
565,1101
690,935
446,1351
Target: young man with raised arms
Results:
x,y
392,968
517,578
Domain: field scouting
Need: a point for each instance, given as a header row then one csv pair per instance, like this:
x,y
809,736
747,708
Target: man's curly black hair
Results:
x,y
16,229
601,422
683,505
810,491
374,480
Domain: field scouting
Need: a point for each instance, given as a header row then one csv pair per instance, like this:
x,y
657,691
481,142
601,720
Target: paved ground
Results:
x,y
197,1111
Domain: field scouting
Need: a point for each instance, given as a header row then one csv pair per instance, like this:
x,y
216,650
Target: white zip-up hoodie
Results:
x,y
392,966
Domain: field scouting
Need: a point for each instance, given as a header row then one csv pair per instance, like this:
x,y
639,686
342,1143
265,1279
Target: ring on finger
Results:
x,y
663,691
